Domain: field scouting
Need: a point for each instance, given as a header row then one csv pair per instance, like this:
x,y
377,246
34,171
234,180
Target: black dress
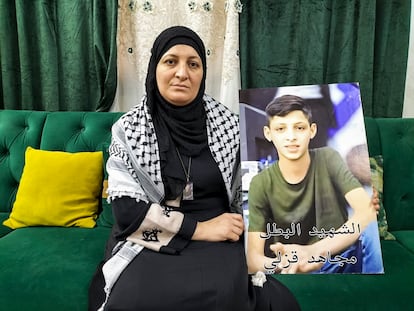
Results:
x,y
204,275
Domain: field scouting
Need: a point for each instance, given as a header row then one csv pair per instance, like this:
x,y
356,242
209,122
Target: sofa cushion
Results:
x,y
77,131
397,145
58,189
49,268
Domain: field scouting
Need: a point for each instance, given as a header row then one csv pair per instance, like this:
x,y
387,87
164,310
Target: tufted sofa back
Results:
x,y
393,138
63,131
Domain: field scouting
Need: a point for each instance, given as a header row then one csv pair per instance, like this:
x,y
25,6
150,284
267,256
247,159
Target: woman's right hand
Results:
x,y
225,227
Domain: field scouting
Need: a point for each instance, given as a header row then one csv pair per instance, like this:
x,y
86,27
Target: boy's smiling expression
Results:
x,y
290,135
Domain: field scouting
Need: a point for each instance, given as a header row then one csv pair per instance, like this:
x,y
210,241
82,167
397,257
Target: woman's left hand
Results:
x,y
225,227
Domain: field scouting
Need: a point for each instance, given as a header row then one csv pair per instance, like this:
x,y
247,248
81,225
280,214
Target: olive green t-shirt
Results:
x,y
318,200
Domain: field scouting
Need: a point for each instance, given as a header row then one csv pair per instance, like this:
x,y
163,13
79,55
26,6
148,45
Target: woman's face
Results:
x,y
179,73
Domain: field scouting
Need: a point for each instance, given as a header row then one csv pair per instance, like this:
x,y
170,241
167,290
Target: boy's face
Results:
x,y
290,134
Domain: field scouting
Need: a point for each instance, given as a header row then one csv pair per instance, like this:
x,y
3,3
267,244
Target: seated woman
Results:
x,y
175,191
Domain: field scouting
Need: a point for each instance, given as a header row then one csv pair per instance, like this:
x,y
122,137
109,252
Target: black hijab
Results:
x,y
184,124
177,127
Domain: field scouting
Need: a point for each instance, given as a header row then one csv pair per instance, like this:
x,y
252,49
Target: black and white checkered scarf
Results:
x,y
134,165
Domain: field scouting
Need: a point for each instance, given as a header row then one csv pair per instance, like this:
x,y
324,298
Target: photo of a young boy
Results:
x,y
307,210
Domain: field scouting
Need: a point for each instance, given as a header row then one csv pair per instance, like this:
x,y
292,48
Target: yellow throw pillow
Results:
x,y
58,189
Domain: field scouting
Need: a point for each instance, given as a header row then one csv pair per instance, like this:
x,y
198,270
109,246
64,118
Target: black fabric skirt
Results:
x,y
205,276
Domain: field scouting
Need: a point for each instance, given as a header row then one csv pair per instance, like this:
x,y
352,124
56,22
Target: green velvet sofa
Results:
x,y
49,268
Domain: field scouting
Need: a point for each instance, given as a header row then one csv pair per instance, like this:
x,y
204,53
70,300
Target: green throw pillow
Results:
x,y
377,171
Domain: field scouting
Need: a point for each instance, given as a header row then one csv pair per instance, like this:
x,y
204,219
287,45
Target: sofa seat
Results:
x,y
49,268
380,292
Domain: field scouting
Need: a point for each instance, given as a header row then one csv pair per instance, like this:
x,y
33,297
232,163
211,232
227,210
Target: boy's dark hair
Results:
x,y
281,106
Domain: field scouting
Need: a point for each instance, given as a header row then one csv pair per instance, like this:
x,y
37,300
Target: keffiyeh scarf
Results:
x,y
134,167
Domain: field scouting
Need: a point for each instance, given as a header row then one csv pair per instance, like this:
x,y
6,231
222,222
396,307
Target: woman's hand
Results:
x,y
227,226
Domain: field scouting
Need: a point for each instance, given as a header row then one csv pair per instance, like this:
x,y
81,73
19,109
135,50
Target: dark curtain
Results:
x,y
329,41
58,54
